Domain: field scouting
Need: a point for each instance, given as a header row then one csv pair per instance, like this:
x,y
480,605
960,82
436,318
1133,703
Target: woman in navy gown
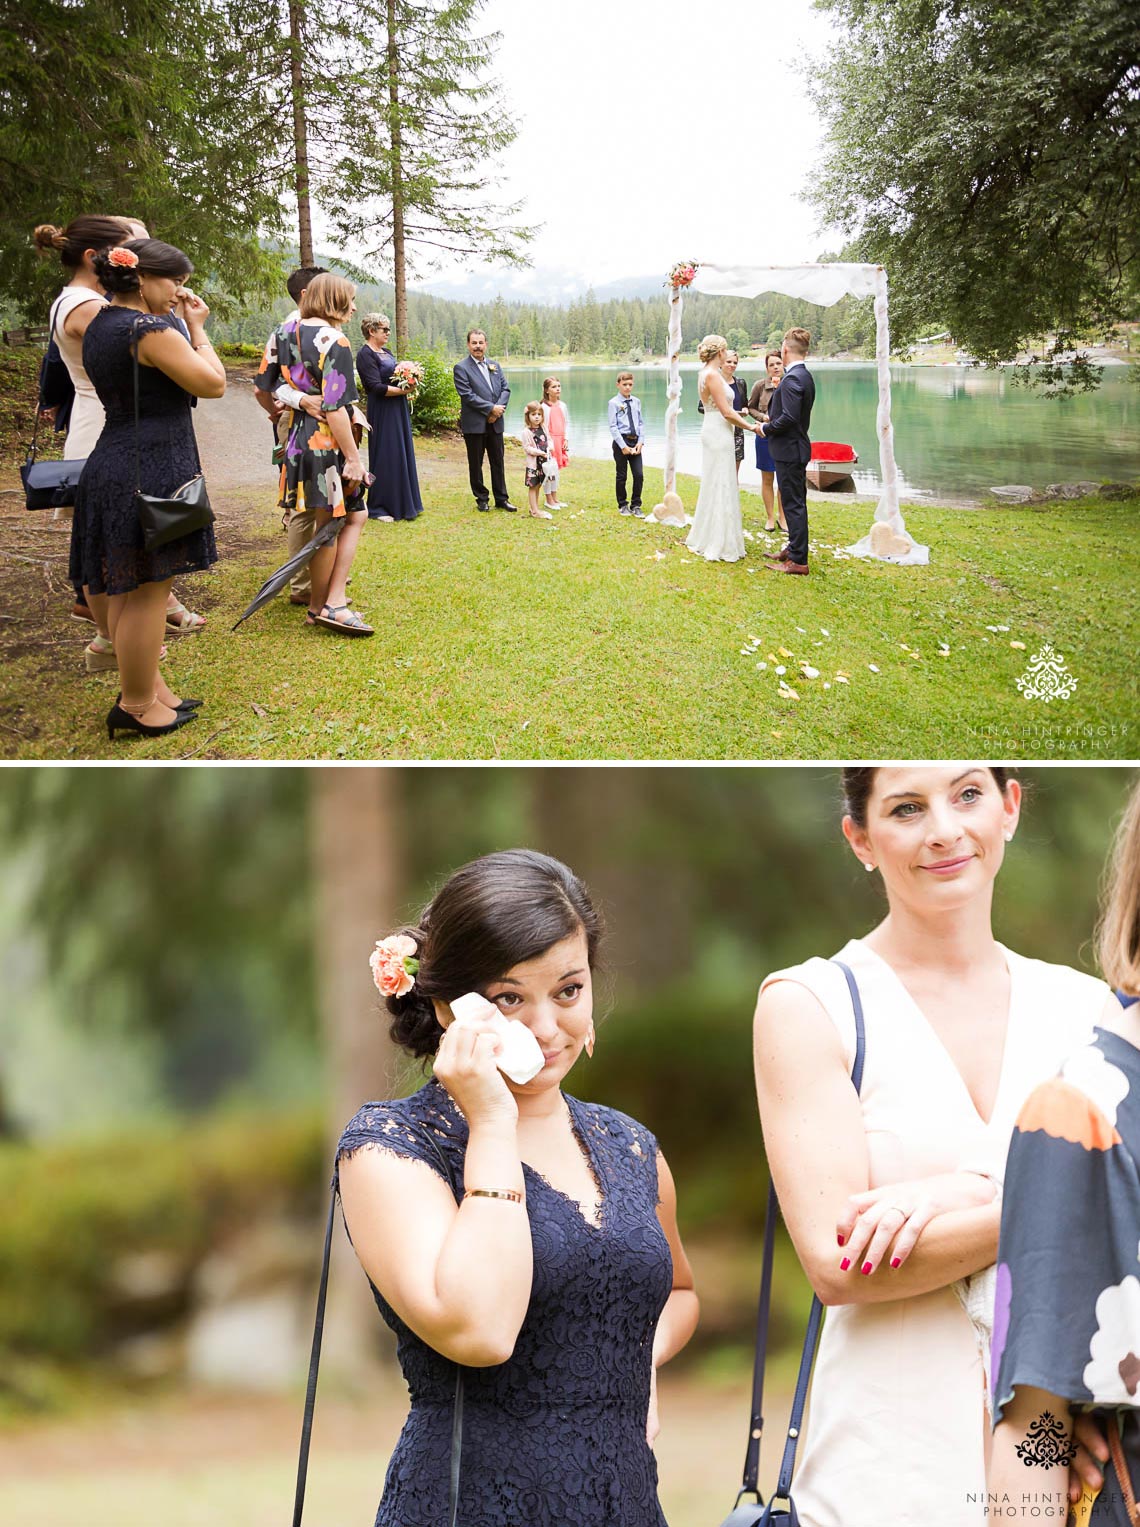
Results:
x,y
558,1282
395,494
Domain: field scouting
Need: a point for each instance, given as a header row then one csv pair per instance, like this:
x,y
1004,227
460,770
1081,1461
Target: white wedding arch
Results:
x,y
822,285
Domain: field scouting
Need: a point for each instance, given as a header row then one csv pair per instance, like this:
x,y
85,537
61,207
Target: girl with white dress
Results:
x,y
959,1030
70,316
717,533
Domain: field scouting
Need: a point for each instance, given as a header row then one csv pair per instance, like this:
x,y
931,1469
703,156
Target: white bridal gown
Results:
x,y
717,534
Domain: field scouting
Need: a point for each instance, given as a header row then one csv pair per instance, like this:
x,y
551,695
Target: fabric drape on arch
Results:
x,y
822,285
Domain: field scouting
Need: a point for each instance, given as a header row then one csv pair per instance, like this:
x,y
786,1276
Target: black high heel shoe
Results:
x,y
120,720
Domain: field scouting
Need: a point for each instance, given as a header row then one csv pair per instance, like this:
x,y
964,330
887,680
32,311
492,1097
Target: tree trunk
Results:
x,y
357,876
400,274
300,135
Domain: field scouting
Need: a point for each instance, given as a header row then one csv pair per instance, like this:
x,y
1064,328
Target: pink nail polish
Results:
x,y
865,1269
896,1261
839,1238
845,1264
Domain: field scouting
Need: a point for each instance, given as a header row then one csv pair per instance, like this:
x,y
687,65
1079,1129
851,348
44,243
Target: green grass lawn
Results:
x,y
598,637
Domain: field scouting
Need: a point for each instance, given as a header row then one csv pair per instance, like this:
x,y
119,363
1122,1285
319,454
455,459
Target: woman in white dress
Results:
x,y
959,1030
717,533
71,314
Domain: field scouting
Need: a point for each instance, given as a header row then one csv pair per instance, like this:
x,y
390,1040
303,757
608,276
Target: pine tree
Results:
x,y
422,140
108,107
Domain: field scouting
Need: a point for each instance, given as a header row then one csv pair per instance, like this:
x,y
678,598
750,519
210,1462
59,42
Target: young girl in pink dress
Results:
x,y
556,422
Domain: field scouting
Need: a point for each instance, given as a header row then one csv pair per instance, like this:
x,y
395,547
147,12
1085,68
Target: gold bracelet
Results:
x,y
508,1193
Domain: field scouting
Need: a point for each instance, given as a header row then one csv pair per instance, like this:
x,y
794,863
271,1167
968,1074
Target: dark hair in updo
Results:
x,y
493,914
90,231
857,785
155,259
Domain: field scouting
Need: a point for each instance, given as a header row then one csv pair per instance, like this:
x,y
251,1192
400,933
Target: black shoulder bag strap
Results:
x,y
749,1485
315,1359
39,385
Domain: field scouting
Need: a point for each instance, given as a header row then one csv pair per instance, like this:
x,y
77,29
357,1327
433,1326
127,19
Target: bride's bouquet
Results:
x,y
682,274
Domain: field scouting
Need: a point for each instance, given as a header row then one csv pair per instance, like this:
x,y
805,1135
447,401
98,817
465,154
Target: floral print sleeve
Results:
x,y
1067,1310
338,375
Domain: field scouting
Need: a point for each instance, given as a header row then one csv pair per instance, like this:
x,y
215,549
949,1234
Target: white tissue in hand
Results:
x,y
521,1057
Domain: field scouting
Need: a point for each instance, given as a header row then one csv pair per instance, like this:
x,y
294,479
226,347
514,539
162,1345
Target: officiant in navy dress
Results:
x,y
395,494
483,397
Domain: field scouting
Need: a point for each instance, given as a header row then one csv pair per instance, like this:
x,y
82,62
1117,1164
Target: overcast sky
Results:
x,y
610,156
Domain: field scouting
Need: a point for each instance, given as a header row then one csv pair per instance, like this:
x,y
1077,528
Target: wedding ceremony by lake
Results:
x,y
959,430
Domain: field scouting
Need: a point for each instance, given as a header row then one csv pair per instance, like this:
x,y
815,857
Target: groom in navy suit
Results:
x,y
483,397
789,415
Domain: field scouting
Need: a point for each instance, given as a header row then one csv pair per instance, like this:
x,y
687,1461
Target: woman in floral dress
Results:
x,y
322,469
1066,1348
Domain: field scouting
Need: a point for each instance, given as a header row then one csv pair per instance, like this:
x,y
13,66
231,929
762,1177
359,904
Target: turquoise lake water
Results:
x,y
958,431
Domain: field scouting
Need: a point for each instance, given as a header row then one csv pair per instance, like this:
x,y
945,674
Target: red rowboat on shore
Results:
x,y
830,464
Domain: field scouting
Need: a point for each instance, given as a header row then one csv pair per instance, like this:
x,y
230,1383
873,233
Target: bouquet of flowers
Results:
x,y
408,375
682,274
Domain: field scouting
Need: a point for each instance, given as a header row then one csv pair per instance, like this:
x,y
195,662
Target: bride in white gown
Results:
x,y
717,534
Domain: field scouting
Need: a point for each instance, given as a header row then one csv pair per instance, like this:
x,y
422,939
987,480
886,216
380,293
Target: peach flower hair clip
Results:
x,y
120,255
394,965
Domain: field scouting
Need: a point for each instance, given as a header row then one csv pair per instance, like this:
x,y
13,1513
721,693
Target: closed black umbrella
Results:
x,y
277,581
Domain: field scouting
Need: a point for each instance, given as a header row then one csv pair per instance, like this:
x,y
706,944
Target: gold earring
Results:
x,y
590,1042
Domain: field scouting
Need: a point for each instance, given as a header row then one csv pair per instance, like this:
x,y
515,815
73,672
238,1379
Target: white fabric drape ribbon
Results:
x,y
673,389
822,285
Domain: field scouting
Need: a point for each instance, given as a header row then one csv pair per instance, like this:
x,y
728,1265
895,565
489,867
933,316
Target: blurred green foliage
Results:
x,y
76,1212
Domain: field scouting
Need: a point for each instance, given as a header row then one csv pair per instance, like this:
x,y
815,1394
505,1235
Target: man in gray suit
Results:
x,y
483,396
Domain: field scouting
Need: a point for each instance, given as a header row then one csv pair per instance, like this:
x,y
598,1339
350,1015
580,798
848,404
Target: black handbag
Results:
x,y
315,1358
187,509
758,1514
49,484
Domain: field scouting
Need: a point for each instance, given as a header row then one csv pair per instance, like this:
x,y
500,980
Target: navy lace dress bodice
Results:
x,y
107,551
555,1436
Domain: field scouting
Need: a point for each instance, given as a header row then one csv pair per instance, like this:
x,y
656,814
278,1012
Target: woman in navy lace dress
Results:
x,y
108,556
558,1281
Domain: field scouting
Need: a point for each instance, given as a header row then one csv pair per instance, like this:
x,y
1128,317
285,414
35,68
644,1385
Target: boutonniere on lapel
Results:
x,y
491,366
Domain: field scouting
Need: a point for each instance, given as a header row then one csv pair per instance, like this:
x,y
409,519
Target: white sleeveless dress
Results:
x,y
86,422
895,1427
717,534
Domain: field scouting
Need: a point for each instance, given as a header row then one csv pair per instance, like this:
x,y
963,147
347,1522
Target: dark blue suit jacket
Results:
x,y
789,416
475,401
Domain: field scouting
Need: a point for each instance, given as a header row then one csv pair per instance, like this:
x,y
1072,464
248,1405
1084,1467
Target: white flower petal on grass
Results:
x,y
872,667
826,684
808,671
841,678
822,632
761,666
781,668
1019,645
